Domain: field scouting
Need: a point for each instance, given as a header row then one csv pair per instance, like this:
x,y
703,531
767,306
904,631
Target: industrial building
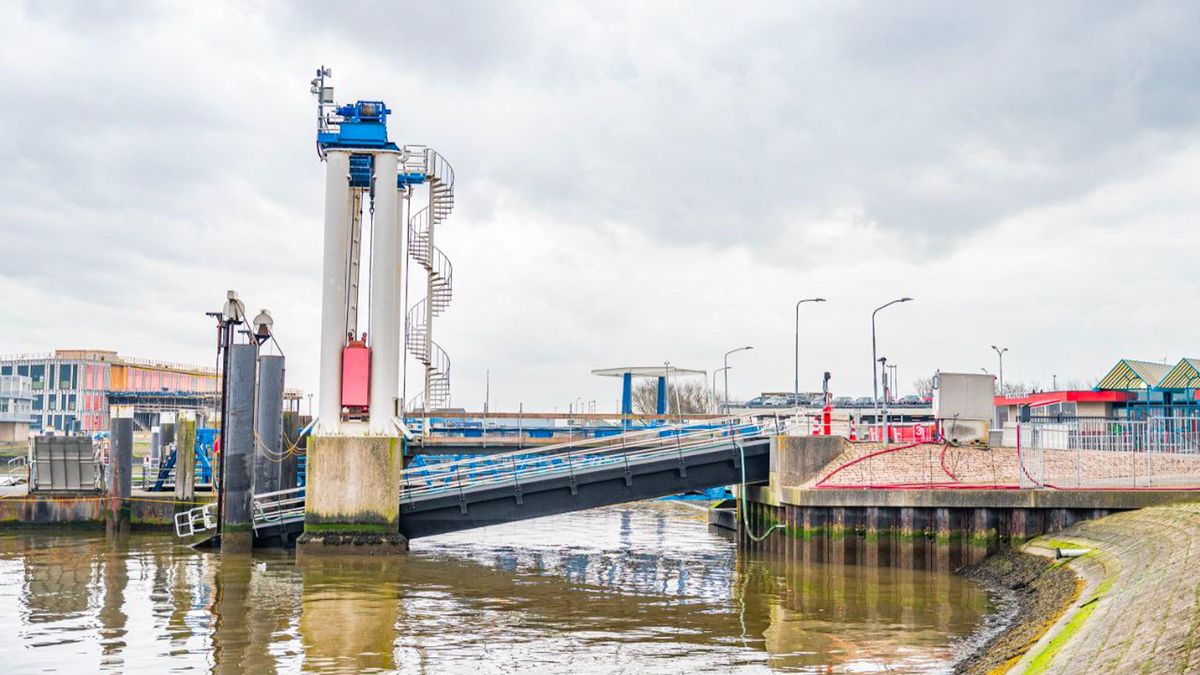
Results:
x,y
71,389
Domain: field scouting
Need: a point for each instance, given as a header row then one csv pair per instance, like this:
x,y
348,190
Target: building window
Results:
x,y
5,370
37,402
70,402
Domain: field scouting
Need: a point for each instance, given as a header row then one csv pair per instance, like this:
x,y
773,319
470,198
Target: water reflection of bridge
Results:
x,y
644,587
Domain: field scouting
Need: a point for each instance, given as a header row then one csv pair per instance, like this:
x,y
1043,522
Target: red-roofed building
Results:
x,y
1083,403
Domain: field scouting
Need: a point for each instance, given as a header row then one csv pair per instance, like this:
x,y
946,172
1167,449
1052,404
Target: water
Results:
x,y
643,588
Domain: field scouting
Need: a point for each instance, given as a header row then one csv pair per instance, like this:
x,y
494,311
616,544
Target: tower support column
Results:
x,y
334,282
384,330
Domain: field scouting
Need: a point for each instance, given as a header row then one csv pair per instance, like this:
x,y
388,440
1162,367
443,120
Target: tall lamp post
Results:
x,y
1000,354
883,364
715,401
731,351
796,383
874,357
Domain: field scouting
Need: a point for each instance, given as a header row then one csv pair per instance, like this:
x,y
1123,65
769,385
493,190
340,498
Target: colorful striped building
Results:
x,y
72,387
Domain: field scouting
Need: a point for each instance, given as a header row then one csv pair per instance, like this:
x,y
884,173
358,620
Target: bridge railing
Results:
x,y
513,468
569,459
277,508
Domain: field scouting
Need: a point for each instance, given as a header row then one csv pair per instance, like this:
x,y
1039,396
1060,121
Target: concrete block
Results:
x,y
353,484
796,460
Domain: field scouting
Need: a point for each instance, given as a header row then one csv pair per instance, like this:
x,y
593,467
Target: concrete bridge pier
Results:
x,y
352,504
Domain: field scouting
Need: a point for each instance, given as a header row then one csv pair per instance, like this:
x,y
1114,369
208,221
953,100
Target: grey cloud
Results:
x,y
158,154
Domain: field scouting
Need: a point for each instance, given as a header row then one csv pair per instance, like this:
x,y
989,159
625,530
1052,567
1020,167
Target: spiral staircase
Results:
x,y
439,289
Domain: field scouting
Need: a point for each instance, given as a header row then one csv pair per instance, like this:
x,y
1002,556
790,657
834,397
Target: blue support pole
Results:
x,y
626,398
662,395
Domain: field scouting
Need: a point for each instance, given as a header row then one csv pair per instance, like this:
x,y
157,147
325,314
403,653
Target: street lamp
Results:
x,y
1000,354
796,384
678,408
874,372
883,364
716,405
731,351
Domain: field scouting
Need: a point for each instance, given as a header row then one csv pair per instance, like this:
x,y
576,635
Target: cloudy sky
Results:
x,y
637,182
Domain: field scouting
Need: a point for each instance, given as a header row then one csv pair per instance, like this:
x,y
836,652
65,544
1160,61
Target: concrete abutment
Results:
x,y
352,504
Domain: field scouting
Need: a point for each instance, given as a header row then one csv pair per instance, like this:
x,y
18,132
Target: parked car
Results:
x,y
756,402
797,400
911,399
774,402
843,402
864,402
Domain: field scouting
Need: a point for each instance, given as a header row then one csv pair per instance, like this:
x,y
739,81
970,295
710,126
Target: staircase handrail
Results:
x,y
440,263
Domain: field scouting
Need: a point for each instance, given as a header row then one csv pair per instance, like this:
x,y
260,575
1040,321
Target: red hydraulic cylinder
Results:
x,y
356,375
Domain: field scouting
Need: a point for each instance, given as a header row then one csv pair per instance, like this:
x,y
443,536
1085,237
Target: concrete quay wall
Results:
x,y
147,511
790,502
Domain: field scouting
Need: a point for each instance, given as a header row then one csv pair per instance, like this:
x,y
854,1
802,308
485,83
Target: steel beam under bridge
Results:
x,y
720,465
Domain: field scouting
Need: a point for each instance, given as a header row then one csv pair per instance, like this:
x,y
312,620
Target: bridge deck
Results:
x,y
530,483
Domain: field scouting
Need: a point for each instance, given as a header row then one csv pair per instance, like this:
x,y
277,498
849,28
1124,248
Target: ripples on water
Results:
x,y
643,588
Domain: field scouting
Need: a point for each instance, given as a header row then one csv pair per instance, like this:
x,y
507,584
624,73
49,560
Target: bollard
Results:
x,y
166,434
185,458
268,441
155,444
120,468
237,463
291,438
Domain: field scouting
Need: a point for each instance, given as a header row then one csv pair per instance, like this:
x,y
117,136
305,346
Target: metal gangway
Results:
x,y
488,489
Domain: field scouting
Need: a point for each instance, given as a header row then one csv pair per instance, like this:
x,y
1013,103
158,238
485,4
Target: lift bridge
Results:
x,y
489,490
360,410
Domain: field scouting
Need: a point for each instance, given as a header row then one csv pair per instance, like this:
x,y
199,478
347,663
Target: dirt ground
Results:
x,y
1040,591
